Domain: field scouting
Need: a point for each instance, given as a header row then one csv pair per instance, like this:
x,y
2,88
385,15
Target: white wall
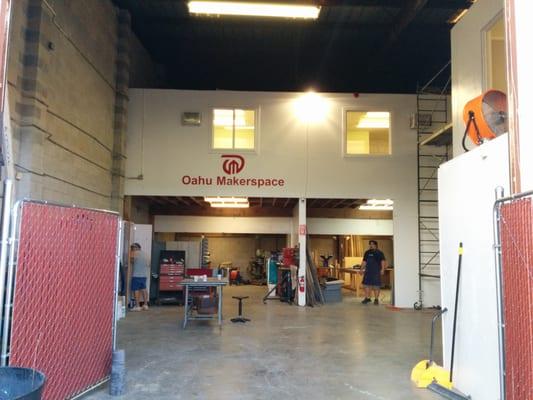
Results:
x,y
193,224
334,226
279,225
309,158
468,61
466,199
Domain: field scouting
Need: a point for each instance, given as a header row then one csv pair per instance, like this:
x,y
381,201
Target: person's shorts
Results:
x,y
138,283
372,279
373,287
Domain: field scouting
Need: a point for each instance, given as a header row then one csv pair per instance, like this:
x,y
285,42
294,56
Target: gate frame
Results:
x,y
500,201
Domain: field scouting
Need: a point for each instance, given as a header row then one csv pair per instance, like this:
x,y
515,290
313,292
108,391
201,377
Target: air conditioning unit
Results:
x,y
420,120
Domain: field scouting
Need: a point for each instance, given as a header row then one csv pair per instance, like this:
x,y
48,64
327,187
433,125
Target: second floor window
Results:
x,y
367,132
233,128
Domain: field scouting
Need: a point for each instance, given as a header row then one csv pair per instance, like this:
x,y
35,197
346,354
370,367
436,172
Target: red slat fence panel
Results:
x,y
516,240
63,305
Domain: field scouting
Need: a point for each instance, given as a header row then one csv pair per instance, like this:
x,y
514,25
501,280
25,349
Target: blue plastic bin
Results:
x,y
20,383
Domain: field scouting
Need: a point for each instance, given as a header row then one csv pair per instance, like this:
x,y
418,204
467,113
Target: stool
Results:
x,y
240,318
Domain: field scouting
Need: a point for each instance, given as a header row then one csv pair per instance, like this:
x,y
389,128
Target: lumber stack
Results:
x,y
314,293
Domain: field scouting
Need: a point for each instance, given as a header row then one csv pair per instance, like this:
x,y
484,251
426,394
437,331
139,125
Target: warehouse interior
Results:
x,y
325,204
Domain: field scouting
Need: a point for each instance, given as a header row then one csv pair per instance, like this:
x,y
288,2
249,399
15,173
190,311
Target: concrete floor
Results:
x,y
337,351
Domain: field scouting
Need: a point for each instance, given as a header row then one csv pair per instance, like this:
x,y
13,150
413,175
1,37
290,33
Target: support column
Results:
x,y
121,110
520,83
302,240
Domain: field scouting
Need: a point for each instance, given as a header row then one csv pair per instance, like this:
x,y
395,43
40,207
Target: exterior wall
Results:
x,y
68,72
468,61
61,81
308,157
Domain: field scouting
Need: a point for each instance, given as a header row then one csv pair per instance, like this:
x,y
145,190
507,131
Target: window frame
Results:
x,y
345,111
216,150
486,44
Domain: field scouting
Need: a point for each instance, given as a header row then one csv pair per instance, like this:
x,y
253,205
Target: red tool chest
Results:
x,y
170,275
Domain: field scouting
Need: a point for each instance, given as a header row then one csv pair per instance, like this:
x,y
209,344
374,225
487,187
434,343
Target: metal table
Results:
x,y
211,282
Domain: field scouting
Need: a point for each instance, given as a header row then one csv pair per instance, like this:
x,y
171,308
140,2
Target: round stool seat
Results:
x,y
240,318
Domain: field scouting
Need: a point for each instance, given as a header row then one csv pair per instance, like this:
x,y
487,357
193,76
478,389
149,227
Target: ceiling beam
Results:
x,y
434,4
196,201
156,200
139,6
407,14
172,28
313,202
355,203
324,204
182,200
169,200
339,203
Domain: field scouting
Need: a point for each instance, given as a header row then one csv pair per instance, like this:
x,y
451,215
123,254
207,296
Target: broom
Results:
x,y
437,387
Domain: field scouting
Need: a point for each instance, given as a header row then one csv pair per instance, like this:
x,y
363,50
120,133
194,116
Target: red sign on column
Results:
x,y
303,229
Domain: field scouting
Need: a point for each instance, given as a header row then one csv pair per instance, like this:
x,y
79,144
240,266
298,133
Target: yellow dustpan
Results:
x,y
426,372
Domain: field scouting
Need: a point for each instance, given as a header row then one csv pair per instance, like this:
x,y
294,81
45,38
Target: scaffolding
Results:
x,y
434,130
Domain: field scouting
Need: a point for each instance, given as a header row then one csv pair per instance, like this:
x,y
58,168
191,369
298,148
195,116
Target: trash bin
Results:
x,y
20,383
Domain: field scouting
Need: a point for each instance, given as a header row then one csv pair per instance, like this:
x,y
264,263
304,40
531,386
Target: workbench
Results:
x,y
354,281
211,282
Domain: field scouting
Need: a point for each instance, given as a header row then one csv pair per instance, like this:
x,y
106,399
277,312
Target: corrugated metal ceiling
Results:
x,y
354,46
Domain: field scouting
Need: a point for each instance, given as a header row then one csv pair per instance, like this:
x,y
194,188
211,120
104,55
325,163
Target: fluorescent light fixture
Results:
x,y
377,205
253,9
376,202
369,207
458,16
239,128
374,120
219,199
311,108
230,205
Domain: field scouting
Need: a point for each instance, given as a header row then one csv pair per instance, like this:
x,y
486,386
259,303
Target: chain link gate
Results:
x,y
514,246
59,313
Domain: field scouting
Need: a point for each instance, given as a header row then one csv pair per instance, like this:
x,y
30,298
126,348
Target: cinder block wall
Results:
x,y
68,75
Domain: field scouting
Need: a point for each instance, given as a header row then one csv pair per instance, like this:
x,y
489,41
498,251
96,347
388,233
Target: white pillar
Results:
x,y
520,83
302,240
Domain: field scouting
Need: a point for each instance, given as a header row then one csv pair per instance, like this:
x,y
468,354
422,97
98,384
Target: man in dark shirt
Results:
x,y
374,265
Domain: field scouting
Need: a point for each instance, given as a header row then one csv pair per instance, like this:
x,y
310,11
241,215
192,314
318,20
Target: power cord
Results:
x,y
471,120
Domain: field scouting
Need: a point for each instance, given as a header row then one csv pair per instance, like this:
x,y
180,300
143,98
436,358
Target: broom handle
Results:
x,y
455,308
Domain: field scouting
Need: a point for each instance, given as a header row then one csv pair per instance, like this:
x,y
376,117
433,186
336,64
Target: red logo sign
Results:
x,y
233,163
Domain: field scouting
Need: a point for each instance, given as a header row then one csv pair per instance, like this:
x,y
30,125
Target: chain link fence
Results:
x,y
64,276
514,218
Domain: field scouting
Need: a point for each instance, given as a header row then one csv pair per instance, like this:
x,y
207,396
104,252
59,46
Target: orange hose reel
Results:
x,y
486,116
